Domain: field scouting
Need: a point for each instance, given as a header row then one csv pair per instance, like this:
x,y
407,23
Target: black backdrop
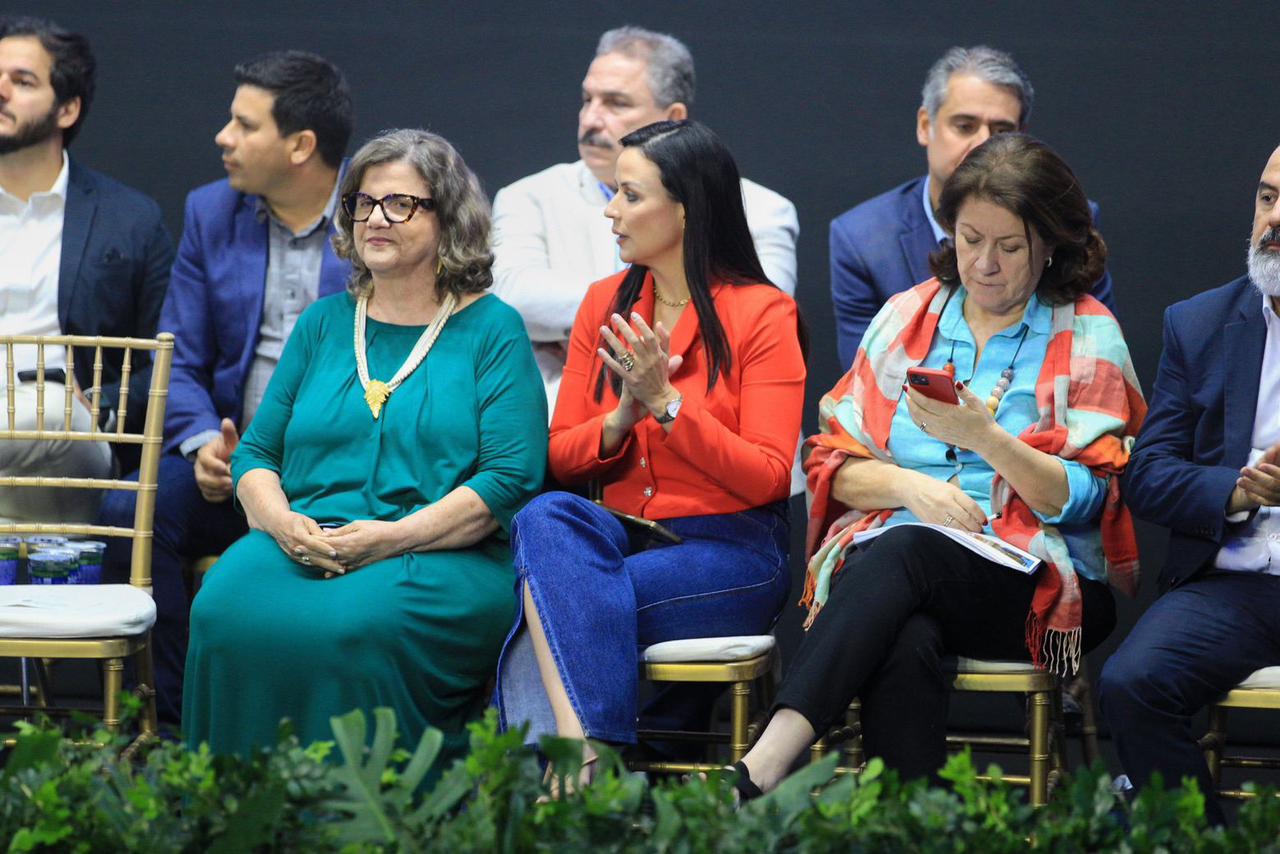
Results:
x,y
1160,108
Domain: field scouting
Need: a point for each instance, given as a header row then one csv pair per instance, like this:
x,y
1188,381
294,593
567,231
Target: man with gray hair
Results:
x,y
551,238
882,246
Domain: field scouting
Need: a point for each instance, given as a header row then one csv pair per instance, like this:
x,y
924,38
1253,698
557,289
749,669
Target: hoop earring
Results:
x,y
1049,263
440,266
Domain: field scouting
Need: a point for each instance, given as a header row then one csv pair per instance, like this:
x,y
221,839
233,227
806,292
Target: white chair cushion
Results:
x,y
709,649
982,665
74,611
1267,677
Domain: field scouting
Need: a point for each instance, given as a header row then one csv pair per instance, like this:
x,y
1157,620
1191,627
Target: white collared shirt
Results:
x,y
1253,543
30,257
938,233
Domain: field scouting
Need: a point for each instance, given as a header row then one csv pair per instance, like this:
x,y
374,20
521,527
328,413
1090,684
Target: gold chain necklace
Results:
x,y
376,392
681,303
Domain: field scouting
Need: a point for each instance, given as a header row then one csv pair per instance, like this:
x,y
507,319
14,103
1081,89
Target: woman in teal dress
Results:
x,y
379,478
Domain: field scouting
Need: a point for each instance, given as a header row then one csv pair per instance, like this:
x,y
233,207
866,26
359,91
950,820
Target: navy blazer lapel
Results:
x,y
917,237
1245,341
77,220
251,239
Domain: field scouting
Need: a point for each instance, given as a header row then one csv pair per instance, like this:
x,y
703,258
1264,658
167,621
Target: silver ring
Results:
x,y
306,559
924,428
627,361
946,523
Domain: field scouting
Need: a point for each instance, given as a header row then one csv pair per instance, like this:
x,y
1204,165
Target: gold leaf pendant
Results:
x,y
376,394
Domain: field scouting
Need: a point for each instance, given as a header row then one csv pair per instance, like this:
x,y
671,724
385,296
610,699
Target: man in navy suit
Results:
x,y
255,252
1207,466
882,246
79,254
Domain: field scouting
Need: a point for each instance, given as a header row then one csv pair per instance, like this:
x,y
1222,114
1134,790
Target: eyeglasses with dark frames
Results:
x,y
396,207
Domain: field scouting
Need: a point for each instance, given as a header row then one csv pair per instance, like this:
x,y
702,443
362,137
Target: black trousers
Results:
x,y
899,606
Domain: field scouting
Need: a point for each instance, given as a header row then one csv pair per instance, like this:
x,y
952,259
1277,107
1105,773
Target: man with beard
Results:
x,y
255,252
80,254
551,238
1207,466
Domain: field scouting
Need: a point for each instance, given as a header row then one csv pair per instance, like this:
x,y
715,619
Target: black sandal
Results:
x,y
747,790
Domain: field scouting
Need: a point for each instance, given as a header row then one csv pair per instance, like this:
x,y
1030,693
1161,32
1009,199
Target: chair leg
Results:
x,y
113,684
146,689
1039,771
1057,736
1214,742
852,749
739,717
44,682
1088,720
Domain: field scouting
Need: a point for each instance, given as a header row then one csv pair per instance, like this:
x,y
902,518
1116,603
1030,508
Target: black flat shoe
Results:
x,y
742,784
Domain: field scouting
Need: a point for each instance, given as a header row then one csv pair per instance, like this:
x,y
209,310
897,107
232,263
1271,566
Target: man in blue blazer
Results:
x,y
1207,466
882,246
79,254
255,252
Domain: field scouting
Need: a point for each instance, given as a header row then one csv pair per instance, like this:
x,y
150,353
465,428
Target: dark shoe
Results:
x,y
742,784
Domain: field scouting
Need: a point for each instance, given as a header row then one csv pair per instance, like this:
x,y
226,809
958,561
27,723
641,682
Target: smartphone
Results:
x,y
933,384
646,525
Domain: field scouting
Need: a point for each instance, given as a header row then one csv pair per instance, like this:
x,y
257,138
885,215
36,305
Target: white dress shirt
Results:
x,y
1253,542
30,258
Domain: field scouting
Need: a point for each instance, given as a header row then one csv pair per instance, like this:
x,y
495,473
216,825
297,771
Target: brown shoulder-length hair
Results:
x,y
461,207
1027,178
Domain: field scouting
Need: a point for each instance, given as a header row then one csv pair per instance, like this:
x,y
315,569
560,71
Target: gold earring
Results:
x,y
439,267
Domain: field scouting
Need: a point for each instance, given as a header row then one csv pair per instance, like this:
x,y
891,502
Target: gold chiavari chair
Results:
x,y
741,662
1043,744
108,623
1260,691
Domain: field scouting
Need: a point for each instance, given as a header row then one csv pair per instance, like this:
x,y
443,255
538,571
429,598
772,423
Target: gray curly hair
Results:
x,y
461,207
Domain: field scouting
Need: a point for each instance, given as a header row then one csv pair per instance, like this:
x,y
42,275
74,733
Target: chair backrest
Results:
x,y
132,356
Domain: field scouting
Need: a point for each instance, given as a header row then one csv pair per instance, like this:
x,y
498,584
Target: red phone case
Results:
x,y
933,384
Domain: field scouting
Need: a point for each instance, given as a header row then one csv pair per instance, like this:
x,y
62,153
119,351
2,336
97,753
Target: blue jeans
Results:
x,y
1196,642
604,593
186,526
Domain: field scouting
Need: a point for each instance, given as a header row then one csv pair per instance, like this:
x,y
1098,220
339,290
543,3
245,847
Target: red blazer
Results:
x,y
729,450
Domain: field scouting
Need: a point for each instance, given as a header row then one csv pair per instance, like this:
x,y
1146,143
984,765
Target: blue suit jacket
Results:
x,y
1199,429
214,307
882,247
112,276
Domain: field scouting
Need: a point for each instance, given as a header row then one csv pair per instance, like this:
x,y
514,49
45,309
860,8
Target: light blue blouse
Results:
x,y
916,450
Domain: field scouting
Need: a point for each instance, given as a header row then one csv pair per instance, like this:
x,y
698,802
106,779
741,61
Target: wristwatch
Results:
x,y
672,410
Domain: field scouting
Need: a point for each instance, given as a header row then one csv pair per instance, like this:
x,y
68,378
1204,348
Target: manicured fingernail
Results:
x,y
635,315
959,386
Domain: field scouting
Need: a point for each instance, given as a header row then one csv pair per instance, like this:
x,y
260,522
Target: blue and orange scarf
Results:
x,y
1090,408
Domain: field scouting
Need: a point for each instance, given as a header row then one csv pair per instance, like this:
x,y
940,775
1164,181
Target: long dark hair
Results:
x,y
1027,178
699,173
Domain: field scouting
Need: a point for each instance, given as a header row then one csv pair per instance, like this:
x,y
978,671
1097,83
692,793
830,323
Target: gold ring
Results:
x,y
627,361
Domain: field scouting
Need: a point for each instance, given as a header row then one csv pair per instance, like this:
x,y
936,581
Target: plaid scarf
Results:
x,y
1090,408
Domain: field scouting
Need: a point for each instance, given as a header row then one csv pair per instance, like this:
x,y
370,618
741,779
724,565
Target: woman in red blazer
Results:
x,y
682,396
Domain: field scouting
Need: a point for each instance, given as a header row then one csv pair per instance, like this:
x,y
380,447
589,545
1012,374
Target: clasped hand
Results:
x,y
968,425
336,551
1259,483
647,385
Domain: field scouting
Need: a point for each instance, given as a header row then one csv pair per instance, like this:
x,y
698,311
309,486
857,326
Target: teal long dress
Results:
x,y
421,632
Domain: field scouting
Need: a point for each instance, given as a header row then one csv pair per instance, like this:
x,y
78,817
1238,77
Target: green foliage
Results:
x,y
360,793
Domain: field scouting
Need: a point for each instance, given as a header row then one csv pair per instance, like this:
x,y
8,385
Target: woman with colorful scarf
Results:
x,y
1048,407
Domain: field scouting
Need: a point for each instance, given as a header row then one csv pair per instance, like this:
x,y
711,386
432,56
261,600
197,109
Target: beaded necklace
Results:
x,y
1006,376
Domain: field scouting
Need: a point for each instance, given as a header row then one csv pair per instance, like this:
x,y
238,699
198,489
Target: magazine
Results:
x,y
991,547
